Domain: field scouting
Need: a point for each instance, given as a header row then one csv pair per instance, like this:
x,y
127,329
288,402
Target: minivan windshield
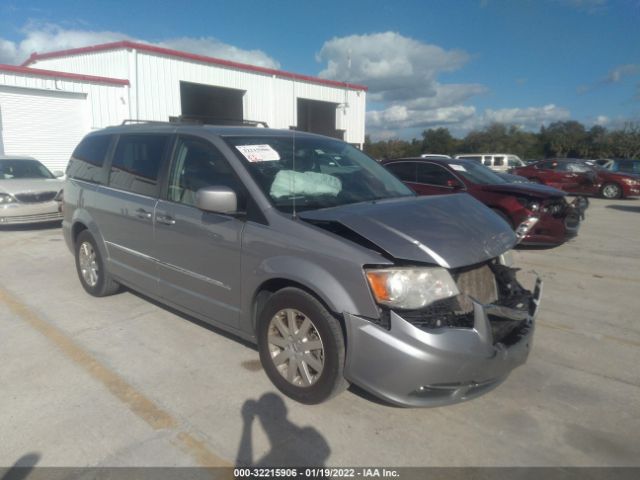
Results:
x,y
476,173
322,173
19,169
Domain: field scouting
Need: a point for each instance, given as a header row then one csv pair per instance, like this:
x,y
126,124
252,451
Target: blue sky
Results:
x,y
459,63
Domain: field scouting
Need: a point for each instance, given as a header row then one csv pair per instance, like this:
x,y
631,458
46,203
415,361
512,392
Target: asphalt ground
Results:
x,y
121,381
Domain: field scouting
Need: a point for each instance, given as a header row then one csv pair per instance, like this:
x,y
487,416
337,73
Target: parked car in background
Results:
x,y
578,177
434,155
29,192
620,165
309,248
539,213
500,162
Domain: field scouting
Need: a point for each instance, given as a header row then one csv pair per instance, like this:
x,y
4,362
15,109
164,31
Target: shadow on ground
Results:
x,y
625,208
21,468
290,445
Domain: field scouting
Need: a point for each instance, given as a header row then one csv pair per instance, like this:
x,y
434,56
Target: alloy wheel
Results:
x,y
88,264
295,347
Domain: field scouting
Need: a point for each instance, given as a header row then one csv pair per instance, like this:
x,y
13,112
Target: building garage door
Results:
x,y
43,124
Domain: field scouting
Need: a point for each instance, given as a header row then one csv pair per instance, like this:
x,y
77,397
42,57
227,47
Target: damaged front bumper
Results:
x,y
417,367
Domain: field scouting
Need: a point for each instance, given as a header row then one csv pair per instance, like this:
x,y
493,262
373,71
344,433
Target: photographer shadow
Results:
x,y
290,445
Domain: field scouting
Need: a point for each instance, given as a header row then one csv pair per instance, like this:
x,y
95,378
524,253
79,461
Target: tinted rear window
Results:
x,y
136,163
88,158
405,171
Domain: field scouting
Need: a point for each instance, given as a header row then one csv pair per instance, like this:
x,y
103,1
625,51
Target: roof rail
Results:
x,y
200,120
128,121
207,120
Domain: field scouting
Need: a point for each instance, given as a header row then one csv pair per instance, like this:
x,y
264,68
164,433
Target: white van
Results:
x,y
500,162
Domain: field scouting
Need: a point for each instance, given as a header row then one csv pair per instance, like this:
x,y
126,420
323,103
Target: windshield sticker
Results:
x,y
259,153
457,167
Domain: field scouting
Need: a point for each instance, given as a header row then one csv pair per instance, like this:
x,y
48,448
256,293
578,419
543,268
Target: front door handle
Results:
x,y
165,219
142,213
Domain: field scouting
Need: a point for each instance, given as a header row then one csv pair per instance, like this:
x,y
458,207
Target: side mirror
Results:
x,y
58,173
217,199
455,184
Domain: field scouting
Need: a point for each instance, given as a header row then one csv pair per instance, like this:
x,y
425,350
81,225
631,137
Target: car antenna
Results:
x,y
292,183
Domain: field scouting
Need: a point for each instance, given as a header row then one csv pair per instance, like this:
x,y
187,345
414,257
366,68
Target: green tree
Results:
x,y
438,140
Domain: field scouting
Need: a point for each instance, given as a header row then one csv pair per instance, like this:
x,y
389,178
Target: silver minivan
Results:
x,y
309,248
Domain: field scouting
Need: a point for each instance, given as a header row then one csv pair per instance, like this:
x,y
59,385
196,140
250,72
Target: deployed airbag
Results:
x,y
290,182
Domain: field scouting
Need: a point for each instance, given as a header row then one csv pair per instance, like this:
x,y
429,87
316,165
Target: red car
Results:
x,y
575,176
540,214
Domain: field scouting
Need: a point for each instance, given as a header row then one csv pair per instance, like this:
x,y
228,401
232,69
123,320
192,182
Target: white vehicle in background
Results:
x,y
500,162
435,155
29,192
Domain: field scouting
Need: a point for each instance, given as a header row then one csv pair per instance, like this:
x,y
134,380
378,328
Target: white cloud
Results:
x,y
589,6
394,67
621,71
615,75
528,118
602,120
401,117
44,38
402,76
215,48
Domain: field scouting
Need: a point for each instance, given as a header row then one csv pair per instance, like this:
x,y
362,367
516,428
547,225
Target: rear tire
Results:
x,y
611,191
91,269
301,346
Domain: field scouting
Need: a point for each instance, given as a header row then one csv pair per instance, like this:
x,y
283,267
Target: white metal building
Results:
x,y
53,99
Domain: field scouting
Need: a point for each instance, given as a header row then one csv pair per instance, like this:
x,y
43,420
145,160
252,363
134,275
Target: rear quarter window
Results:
x,y
87,160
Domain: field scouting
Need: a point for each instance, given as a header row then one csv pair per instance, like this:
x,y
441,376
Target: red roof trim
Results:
x,y
190,56
64,75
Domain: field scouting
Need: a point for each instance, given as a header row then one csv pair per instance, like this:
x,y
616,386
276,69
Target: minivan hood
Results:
x,y
448,230
34,185
530,189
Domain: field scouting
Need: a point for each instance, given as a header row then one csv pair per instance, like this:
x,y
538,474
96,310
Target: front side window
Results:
x,y
514,162
433,174
198,164
136,163
546,165
308,173
20,169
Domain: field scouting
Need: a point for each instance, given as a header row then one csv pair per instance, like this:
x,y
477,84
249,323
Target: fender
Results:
x,y
350,295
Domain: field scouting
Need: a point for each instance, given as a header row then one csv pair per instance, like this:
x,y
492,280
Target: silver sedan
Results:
x,y
29,192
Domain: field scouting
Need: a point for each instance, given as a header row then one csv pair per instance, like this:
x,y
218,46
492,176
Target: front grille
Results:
x,y
40,217
477,282
35,197
480,282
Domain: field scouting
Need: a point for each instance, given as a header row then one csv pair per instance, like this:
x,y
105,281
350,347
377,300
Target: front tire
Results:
x,y
611,191
301,346
91,269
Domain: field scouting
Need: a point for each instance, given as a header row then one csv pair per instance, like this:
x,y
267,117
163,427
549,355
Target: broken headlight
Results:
x,y
410,288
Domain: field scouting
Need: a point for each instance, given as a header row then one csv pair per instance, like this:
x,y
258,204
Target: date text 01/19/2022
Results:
x,y
315,472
